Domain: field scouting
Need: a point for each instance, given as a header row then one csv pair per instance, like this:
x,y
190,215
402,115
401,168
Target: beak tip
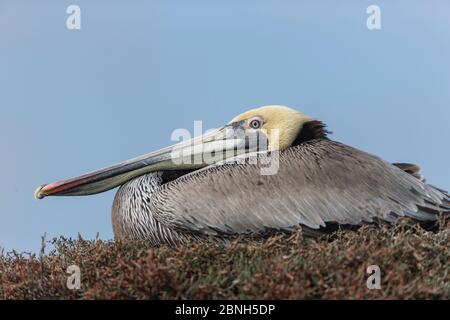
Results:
x,y
38,194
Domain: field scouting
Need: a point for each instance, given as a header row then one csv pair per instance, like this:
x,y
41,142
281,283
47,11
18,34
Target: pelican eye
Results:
x,y
255,124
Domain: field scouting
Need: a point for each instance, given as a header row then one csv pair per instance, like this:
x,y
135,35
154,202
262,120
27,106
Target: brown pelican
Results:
x,y
166,197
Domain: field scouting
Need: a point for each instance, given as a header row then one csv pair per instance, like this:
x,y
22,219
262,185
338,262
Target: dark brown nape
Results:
x,y
411,168
170,175
311,130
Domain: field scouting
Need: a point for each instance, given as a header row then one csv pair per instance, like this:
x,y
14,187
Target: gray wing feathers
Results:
x,y
317,183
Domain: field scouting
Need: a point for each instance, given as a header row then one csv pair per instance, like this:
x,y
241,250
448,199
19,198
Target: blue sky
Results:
x,y
73,101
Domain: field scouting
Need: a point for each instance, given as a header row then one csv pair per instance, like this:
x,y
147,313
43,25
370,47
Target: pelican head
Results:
x,y
286,121
235,138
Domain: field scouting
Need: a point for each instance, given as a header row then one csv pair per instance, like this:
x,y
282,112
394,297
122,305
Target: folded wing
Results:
x,y
318,182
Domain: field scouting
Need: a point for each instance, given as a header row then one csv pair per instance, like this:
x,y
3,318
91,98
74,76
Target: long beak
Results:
x,y
216,146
